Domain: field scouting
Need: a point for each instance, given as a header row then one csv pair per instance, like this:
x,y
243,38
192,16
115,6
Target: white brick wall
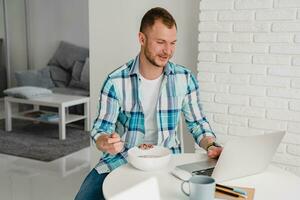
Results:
x,y
249,70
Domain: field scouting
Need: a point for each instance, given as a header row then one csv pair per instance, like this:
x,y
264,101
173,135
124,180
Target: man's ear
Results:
x,y
142,38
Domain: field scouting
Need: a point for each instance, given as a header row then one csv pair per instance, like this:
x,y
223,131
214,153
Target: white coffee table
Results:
x,y
60,101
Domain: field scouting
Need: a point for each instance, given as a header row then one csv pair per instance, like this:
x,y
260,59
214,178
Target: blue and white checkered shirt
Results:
x,y
120,110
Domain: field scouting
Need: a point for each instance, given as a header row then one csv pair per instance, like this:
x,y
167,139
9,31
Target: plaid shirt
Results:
x,y
120,110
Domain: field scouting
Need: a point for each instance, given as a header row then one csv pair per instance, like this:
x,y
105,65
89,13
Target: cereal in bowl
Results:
x,y
146,146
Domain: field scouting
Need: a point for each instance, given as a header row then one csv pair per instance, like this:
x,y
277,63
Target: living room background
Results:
x,y
113,27
65,20
35,28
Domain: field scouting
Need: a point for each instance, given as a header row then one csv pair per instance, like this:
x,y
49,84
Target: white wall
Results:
x,y
249,68
53,21
1,20
2,35
17,36
114,27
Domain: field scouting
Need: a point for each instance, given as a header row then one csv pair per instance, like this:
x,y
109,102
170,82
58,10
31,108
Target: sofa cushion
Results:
x,y
71,91
85,74
27,92
59,76
76,73
66,55
39,78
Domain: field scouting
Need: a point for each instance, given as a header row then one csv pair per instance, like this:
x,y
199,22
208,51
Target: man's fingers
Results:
x,y
115,148
117,145
110,143
214,152
114,138
114,135
210,154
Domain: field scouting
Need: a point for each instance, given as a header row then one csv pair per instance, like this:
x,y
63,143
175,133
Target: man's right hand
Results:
x,y
111,144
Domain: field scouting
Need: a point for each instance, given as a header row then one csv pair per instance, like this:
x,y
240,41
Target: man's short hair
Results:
x,y
154,14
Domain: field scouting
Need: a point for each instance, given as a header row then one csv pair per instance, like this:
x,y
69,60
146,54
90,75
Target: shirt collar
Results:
x,y
168,69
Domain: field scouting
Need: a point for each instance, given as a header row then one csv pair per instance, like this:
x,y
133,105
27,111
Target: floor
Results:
x,y
26,179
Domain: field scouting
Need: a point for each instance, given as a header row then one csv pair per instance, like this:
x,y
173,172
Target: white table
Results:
x,y
273,184
60,101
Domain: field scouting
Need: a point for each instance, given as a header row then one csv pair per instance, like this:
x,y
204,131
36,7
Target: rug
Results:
x,y
40,141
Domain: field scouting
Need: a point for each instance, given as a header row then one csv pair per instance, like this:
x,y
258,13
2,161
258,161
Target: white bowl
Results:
x,y
149,159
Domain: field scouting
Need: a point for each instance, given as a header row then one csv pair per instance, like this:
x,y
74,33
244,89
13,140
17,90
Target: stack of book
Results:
x,y
49,117
34,114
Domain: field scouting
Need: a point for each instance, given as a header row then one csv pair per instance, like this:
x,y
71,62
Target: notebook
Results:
x,y
240,157
250,194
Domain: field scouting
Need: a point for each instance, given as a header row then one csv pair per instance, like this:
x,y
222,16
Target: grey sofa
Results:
x,y
67,72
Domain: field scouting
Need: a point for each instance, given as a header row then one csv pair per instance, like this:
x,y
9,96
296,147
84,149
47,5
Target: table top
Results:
x,y
274,183
52,99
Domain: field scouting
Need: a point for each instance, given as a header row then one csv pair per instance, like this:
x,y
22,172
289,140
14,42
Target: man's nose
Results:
x,y
168,49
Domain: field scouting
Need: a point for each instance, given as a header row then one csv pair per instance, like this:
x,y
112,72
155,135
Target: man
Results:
x,y
141,102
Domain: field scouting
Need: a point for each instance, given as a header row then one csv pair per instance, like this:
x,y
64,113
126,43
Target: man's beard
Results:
x,y
151,59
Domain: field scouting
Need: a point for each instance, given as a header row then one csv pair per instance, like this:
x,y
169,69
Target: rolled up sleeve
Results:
x,y
108,110
197,123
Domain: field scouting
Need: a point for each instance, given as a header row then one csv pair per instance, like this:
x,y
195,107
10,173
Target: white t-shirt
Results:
x,y
149,95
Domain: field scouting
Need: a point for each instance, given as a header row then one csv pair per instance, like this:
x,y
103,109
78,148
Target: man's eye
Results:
x,y
159,42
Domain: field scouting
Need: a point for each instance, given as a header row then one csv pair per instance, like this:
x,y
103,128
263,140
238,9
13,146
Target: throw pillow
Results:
x,y
27,92
59,76
39,78
76,73
66,55
85,74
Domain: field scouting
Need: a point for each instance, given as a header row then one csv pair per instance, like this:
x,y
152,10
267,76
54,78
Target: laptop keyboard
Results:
x,y
207,172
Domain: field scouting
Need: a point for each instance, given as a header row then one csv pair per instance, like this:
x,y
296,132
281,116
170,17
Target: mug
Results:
x,y
200,187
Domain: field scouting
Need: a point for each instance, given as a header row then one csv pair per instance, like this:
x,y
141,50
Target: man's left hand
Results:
x,y
214,152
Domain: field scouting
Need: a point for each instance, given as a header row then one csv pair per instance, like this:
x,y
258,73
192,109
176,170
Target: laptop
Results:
x,y
240,157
